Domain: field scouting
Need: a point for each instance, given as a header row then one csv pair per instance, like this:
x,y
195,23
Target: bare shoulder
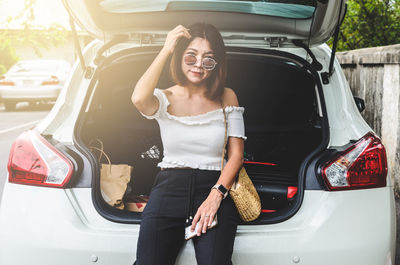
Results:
x,y
229,97
171,93
170,90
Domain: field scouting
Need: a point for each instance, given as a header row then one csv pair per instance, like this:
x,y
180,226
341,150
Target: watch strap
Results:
x,y
221,189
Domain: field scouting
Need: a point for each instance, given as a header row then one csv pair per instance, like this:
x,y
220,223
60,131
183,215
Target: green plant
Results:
x,y
370,23
8,56
30,35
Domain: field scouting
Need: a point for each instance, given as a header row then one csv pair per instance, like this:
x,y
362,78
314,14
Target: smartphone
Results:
x,y
189,234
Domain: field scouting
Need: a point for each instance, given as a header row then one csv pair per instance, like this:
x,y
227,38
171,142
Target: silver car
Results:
x,y
319,168
33,81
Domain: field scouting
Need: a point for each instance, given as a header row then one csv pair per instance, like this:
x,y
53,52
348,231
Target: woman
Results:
x,y
191,188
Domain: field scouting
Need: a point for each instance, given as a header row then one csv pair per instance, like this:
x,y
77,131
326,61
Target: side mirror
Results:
x,y
360,103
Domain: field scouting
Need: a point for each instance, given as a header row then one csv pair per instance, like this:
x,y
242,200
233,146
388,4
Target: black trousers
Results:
x,y
176,195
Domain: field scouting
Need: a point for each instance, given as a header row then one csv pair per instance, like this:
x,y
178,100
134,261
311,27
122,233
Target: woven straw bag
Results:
x,y
243,192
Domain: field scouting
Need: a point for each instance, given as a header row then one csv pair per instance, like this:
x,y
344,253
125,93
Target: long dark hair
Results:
x,y
217,79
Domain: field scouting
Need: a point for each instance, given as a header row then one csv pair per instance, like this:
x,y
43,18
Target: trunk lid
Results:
x,y
311,21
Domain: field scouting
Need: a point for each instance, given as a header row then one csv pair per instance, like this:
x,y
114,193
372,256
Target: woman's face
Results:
x,y
200,48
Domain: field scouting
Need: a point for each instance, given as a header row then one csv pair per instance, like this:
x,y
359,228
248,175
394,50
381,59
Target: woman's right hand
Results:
x,y
173,36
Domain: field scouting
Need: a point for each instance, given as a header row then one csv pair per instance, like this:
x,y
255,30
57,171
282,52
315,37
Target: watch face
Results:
x,y
222,189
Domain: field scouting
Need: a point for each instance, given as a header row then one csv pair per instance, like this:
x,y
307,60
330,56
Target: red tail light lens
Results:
x,y
259,163
34,161
362,165
291,192
267,211
52,81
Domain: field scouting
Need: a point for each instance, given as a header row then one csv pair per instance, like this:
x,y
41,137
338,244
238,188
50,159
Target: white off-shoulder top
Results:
x,y
195,141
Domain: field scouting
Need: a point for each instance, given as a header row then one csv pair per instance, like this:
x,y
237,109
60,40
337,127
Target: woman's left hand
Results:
x,y
207,211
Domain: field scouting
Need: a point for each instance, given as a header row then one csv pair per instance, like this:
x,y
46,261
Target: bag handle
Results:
x,y
102,152
225,137
101,145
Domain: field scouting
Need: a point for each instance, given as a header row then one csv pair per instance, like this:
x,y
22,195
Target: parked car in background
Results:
x,y
319,168
33,81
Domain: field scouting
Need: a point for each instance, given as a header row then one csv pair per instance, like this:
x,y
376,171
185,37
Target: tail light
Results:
x,y
362,165
52,81
267,211
291,192
6,82
34,161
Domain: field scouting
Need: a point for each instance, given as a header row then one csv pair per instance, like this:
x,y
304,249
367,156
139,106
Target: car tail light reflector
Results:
x,y
34,161
362,165
6,83
259,163
52,81
292,191
267,211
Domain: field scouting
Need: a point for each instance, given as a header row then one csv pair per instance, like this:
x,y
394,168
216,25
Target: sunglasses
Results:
x,y
207,63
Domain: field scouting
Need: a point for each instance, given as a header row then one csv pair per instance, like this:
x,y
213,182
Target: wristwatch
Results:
x,y
221,189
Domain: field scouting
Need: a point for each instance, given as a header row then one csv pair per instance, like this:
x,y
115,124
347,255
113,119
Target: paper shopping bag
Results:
x,y
114,179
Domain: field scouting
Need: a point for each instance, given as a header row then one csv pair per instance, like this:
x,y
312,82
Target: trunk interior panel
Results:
x,y
281,121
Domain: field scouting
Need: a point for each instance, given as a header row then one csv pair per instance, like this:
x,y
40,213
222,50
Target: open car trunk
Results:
x,y
282,124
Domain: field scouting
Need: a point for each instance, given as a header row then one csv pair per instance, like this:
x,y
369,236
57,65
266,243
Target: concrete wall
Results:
x,y
373,74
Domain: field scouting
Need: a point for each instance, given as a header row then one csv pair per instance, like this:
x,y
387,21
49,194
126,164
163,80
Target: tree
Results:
x,y
8,56
37,37
370,23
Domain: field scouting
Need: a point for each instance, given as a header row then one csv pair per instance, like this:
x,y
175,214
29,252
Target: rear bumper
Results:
x,y
47,226
26,94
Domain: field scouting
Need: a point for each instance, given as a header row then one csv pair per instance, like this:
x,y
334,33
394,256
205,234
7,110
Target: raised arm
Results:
x,y
142,96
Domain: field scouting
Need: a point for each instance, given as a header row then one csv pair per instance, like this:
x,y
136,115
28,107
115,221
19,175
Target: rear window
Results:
x,y
278,8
